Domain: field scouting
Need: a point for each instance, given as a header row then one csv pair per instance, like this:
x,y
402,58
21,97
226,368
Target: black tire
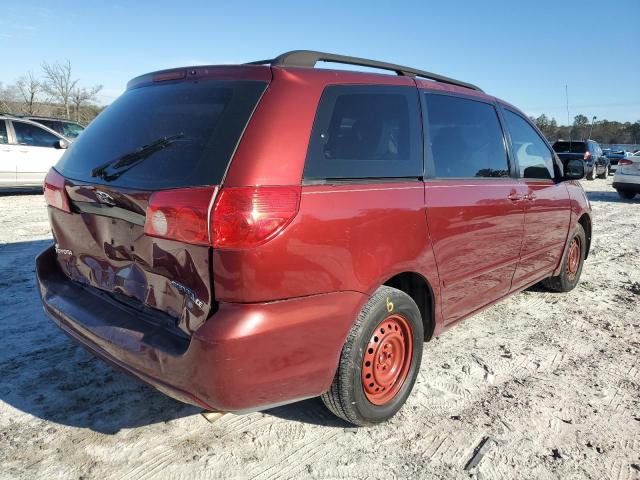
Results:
x,y
565,282
604,174
347,398
626,194
592,174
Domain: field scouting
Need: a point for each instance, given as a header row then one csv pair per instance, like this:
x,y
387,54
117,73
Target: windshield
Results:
x,y
569,147
208,115
71,130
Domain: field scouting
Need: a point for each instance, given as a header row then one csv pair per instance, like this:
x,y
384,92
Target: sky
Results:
x,y
523,51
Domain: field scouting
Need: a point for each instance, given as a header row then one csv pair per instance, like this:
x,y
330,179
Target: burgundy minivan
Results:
x,y
246,236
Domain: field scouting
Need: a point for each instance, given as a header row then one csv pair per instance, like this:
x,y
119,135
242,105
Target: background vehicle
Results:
x,y
68,129
627,178
614,157
27,151
240,249
595,162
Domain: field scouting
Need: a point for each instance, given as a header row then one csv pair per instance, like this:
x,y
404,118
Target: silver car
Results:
x,y
627,178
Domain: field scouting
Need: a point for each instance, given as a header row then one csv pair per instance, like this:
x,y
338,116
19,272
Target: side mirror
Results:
x,y
61,144
574,169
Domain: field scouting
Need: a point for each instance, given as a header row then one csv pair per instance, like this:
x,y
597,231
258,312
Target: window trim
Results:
x,y
558,168
376,179
430,168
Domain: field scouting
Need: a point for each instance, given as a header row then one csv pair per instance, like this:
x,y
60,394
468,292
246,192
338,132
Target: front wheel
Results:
x,y
572,263
380,360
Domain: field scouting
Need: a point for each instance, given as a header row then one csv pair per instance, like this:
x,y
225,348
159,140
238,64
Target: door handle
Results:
x,y
514,196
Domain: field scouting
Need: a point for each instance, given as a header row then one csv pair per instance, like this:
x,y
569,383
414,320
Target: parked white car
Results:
x,y
27,151
627,178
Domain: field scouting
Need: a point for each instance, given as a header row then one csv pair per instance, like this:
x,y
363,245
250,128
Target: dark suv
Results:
x,y
67,128
246,236
596,162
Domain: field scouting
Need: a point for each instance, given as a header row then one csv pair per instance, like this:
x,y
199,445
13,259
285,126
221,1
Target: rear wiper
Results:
x,y
129,160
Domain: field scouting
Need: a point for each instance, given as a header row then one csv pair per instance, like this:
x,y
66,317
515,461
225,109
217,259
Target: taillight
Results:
x,y
587,156
54,193
625,161
181,214
244,217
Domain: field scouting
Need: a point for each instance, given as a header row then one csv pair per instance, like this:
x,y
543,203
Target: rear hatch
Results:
x,y
169,139
570,150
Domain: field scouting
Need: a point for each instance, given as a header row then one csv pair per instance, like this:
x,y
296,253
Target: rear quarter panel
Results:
x,y
344,238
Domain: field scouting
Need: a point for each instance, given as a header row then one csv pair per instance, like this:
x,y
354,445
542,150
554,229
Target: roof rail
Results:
x,y
309,58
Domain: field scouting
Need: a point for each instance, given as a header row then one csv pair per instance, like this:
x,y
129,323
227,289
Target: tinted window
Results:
x,y
570,147
33,136
532,154
67,129
53,125
365,132
203,121
71,130
3,132
466,138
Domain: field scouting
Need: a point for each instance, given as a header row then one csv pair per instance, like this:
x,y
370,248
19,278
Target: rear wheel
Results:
x,y
625,194
572,263
379,361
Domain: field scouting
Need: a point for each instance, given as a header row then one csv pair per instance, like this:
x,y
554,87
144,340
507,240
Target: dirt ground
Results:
x,y
553,380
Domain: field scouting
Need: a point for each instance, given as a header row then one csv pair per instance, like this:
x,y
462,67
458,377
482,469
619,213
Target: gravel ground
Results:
x,y
551,379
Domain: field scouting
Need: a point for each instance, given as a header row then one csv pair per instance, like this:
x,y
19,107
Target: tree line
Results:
x,y
55,93
602,131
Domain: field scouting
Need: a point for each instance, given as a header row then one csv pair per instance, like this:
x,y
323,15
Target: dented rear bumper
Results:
x,y
245,357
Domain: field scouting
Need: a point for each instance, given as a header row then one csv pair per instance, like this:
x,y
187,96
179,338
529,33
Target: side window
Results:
x,y
365,132
535,160
3,133
466,138
48,123
33,136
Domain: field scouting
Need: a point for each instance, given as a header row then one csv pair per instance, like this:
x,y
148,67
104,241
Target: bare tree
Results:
x,y
29,88
81,96
58,82
8,98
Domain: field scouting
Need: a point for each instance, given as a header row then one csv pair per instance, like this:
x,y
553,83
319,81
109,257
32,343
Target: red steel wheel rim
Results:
x,y
573,262
387,359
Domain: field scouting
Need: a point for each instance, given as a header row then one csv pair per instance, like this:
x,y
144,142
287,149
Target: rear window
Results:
x,y
202,122
570,147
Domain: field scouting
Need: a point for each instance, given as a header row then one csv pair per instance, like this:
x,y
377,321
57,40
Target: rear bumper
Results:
x,y
627,186
245,357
